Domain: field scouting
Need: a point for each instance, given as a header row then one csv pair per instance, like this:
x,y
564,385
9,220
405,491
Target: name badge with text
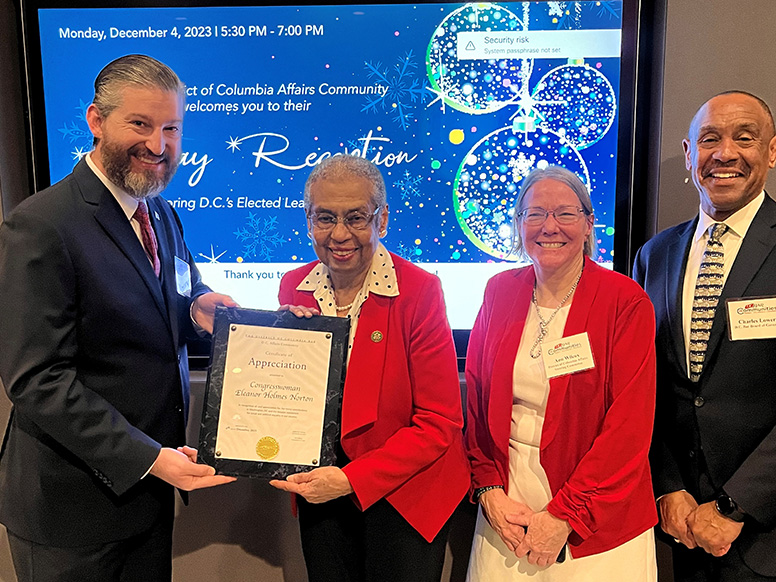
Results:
x,y
751,318
567,355
182,277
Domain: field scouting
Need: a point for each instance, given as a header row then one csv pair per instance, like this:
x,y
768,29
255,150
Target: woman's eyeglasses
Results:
x,y
353,221
535,215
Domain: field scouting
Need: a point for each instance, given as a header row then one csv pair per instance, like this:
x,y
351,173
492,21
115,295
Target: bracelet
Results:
x,y
480,490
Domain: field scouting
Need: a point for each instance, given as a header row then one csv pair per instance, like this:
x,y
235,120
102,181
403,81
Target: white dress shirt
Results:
x,y
128,203
738,224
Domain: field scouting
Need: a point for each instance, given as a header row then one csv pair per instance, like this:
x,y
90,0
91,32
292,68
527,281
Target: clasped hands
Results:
x,y
538,535
697,525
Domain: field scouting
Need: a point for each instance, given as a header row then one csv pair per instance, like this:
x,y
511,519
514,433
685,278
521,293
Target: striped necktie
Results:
x,y
708,288
148,236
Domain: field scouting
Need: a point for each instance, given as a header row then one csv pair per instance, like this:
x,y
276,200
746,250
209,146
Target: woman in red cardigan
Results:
x,y
561,394
382,514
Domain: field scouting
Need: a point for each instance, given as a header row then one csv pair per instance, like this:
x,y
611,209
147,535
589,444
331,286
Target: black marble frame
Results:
x,y
339,327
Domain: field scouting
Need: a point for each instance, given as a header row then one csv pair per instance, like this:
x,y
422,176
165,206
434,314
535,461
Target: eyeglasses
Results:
x,y
354,221
535,215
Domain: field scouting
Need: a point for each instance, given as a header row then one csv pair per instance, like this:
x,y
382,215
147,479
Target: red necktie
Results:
x,y
147,233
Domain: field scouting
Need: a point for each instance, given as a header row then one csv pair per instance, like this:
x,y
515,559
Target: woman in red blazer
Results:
x,y
382,514
561,393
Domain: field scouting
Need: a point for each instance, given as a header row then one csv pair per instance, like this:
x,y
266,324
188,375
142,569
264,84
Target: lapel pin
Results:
x,y
156,215
377,336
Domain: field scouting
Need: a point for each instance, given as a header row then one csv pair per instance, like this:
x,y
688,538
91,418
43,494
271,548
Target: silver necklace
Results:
x,y
536,348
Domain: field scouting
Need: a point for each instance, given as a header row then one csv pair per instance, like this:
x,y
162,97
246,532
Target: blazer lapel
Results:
x,y
577,323
168,276
758,243
676,263
365,366
515,314
114,222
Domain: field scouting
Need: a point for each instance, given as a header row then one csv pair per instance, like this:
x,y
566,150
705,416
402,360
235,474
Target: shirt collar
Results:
x,y
127,203
380,280
738,222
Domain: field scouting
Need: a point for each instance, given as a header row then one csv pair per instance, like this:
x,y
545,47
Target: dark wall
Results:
x,y
14,184
711,46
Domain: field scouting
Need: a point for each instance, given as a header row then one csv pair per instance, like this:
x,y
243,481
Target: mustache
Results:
x,y
140,151
715,166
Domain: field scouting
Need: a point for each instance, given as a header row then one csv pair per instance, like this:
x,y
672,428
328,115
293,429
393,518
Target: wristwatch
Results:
x,y
729,508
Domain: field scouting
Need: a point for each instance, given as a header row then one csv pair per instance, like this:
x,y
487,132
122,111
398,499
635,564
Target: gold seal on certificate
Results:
x,y
274,391
267,448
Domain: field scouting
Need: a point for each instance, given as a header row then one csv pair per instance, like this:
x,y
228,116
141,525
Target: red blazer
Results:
x,y
598,422
401,407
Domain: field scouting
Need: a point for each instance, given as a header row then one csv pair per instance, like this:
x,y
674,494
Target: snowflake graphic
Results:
x,y
403,89
521,165
569,19
556,8
260,236
357,144
408,185
78,153
212,257
79,129
409,253
607,7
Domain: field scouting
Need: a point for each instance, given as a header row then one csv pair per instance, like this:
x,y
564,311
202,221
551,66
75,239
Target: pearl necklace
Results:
x,y
344,307
536,348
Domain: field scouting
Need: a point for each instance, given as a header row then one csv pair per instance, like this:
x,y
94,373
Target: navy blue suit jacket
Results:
x,y
93,357
733,405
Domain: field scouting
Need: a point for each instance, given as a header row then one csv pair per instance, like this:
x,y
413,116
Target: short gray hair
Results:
x,y
564,176
345,165
132,70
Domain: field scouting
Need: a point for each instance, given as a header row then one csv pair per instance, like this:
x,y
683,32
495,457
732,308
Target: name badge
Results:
x,y
751,318
182,277
567,355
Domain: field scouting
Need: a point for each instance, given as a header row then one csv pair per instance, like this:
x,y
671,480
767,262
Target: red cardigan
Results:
x,y
401,407
598,424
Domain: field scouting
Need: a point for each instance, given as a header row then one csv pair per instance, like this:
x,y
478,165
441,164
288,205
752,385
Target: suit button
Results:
x,y
691,454
699,401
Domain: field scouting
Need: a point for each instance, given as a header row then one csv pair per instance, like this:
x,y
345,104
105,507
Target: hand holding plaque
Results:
x,y
274,393
317,486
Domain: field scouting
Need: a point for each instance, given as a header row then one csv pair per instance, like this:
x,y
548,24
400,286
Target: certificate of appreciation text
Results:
x,y
274,392
274,395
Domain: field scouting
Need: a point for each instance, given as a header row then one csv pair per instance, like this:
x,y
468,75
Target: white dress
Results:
x,y
491,560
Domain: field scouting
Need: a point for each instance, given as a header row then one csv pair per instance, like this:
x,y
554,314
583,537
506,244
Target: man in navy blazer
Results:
x,y
92,347
714,448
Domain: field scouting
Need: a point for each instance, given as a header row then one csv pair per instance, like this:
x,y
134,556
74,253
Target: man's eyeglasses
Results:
x,y
354,221
536,215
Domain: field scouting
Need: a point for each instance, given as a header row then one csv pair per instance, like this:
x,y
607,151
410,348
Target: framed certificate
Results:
x,y
274,392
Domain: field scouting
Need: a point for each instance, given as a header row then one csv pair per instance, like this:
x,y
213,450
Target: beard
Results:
x,y
138,184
